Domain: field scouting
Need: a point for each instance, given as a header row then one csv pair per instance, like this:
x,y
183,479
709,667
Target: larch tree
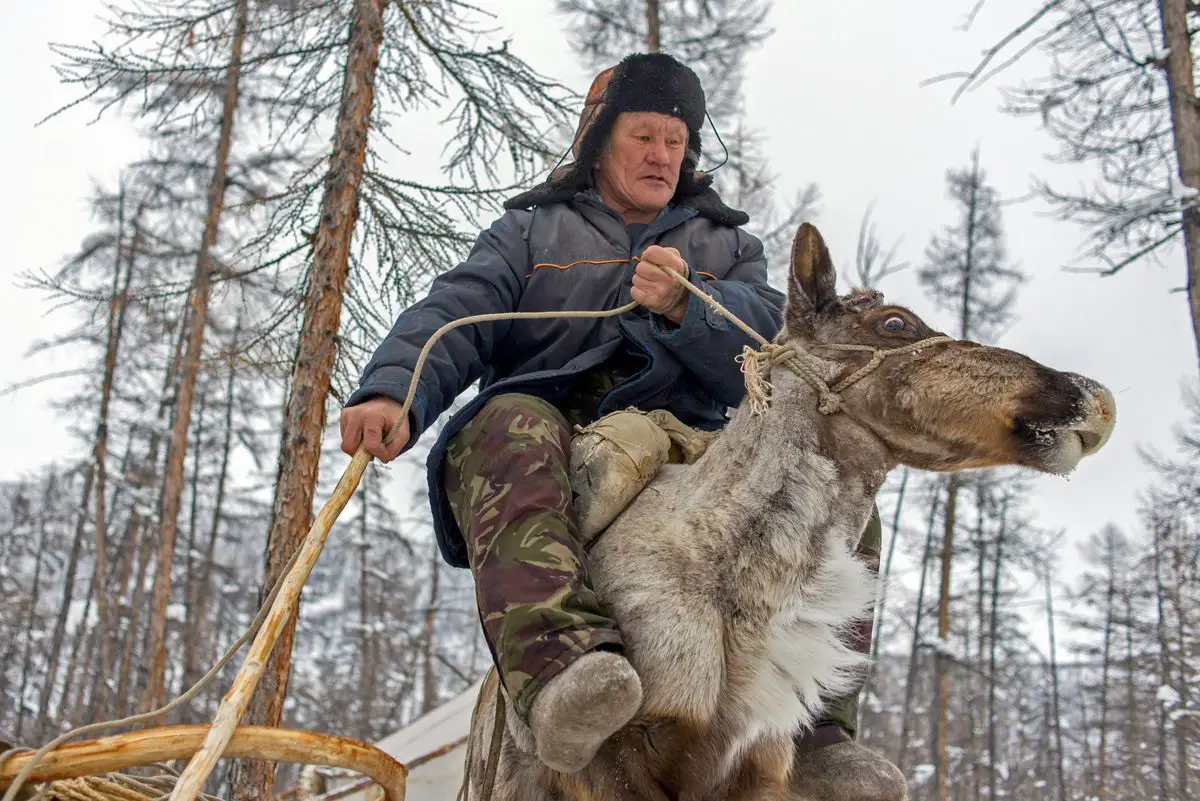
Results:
x,y
179,69
185,392
409,53
1118,95
967,273
1171,516
183,69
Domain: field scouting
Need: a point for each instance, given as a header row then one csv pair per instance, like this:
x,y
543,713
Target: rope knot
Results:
x,y
830,403
756,366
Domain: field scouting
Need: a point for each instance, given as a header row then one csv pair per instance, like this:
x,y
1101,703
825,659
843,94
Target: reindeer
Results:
x,y
733,579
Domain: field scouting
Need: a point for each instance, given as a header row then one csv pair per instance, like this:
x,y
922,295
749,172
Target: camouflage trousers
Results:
x,y
507,482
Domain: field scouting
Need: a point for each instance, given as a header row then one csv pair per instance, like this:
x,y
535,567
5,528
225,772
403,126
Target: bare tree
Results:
x,y
871,262
184,394
1055,693
1120,95
966,272
500,97
34,596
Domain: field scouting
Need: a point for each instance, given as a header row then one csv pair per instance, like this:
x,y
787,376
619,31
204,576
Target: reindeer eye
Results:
x,y
895,323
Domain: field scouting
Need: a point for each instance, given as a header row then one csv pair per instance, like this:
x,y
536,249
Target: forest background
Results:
x,y
150,346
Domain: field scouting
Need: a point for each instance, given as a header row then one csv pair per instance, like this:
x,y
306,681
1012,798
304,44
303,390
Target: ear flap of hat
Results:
x,y
593,104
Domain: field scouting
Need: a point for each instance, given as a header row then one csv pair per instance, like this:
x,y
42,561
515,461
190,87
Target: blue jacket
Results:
x,y
544,259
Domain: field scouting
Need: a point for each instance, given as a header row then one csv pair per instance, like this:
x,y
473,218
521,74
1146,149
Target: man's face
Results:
x,y
639,168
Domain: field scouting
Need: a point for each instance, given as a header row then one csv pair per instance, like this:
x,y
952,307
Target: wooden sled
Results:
x,y
87,770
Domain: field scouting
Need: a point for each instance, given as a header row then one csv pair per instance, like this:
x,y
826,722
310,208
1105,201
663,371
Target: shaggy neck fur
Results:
x,y
794,472
785,497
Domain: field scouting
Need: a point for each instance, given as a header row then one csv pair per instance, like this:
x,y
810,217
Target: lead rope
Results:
x,y
756,366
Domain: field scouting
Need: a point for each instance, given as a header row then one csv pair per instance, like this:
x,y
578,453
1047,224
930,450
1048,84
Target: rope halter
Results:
x,y
757,363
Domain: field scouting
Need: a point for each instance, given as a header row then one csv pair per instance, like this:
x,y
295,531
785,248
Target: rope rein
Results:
x,y
758,389
756,366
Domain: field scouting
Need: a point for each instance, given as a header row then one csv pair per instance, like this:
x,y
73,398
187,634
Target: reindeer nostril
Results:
x,y
1097,425
1090,440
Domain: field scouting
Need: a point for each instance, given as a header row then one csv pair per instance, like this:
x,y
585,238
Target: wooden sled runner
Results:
x,y
88,770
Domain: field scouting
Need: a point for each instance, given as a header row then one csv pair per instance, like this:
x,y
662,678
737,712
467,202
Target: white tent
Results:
x,y
438,779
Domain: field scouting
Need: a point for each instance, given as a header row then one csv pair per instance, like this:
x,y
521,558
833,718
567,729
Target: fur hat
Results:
x,y
640,82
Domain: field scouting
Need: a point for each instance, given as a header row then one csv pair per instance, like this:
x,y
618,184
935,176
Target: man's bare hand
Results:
x,y
368,423
657,291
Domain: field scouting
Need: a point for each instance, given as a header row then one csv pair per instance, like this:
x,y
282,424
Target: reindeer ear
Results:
x,y
812,283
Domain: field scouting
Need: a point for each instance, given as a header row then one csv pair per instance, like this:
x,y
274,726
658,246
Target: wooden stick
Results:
x,y
362,784
107,754
234,704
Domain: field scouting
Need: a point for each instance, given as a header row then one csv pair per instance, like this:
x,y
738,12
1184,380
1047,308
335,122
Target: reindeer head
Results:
x,y
933,402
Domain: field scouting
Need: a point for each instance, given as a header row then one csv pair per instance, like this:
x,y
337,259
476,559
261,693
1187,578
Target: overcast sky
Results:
x,y
837,93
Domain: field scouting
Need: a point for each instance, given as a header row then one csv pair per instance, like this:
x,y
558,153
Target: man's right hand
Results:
x,y
368,423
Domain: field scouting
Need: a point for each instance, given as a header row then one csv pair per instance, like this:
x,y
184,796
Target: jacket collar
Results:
x,y
589,205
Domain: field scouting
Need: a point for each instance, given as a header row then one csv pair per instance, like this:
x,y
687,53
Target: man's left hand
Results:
x,y
657,291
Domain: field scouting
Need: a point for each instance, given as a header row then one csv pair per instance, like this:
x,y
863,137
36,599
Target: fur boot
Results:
x,y
582,707
844,771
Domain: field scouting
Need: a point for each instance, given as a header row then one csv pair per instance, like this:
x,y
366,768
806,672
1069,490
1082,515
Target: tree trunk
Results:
x,y
177,450
366,665
301,443
887,565
192,623
941,748
977,710
1110,598
64,608
138,532
653,28
1131,672
429,697
1055,711
83,638
1164,669
192,670
911,680
1182,560
1185,125
993,633
116,326
108,662
34,596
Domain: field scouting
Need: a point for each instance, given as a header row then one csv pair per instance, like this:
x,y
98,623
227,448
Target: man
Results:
x,y
588,238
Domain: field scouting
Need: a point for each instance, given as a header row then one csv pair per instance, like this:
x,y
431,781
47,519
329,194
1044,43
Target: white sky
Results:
x,y
836,91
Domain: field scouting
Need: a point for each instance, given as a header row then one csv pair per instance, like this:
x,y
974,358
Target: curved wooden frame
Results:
x,y
135,749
